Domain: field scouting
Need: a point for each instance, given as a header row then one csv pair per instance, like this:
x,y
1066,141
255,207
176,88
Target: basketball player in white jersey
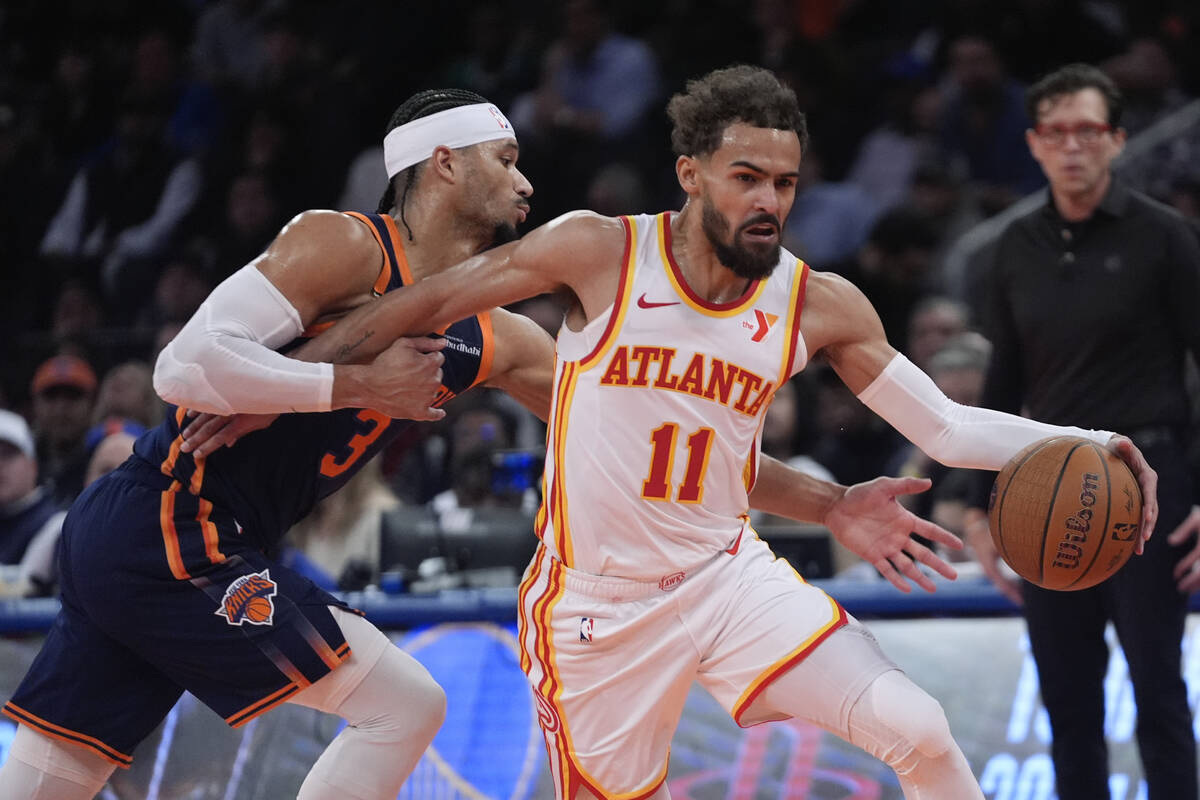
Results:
x,y
648,575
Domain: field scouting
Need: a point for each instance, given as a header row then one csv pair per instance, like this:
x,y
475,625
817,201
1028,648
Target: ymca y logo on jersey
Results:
x,y
248,599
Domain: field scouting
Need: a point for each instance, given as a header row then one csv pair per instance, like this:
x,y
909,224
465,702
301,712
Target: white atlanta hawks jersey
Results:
x,y
658,408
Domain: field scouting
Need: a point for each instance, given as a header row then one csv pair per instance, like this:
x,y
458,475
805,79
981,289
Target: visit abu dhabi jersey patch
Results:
x,y
248,599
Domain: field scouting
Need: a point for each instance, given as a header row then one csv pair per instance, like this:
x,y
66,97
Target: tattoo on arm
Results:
x,y
345,351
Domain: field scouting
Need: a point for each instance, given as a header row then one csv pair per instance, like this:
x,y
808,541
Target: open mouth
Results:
x,y
761,232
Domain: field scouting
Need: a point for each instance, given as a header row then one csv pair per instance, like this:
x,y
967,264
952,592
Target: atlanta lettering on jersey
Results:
x,y
704,376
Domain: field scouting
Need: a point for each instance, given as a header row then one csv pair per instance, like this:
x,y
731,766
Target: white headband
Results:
x,y
413,142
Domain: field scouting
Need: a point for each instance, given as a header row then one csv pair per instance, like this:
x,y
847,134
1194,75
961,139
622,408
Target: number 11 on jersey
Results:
x,y
662,458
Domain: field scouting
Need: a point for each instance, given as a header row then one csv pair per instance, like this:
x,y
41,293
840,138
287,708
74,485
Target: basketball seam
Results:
x,y
1050,512
1000,499
1107,517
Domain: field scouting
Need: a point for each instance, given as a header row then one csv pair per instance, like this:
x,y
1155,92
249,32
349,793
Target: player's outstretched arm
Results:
x,y
523,361
574,252
866,518
846,328
224,360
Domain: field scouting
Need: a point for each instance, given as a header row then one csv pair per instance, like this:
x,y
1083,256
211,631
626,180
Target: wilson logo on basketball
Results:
x,y
1078,524
248,599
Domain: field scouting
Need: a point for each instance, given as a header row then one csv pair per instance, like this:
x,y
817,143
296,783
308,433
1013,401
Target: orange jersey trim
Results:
x,y
736,306
262,706
799,290
109,754
488,348
522,596
562,527
209,530
787,662
166,521
385,274
398,248
620,302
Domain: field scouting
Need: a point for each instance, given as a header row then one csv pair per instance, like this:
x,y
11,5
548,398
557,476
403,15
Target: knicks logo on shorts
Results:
x,y
248,599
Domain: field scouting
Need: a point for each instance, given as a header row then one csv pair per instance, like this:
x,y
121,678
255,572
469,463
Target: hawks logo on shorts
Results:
x,y
248,599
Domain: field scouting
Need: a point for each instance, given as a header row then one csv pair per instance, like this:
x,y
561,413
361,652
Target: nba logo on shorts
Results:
x,y
585,628
248,599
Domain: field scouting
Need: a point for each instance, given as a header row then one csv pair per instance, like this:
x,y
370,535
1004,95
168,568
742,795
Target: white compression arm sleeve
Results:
x,y
951,433
224,362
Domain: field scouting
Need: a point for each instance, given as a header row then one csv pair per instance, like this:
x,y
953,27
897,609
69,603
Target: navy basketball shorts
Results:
x,y
160,594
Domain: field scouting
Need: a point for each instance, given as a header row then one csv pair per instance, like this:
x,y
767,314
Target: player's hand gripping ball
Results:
x,y
1065,513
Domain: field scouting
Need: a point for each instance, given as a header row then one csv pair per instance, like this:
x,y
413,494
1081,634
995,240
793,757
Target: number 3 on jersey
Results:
x,y
662,458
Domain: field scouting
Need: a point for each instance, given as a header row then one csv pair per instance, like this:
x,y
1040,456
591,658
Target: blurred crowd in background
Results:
x,y
150,149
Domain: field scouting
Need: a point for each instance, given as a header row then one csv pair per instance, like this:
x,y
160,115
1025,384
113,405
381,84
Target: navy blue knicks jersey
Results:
x,y
270,479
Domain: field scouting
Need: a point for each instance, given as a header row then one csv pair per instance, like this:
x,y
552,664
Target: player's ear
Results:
x,y
687,170
444,163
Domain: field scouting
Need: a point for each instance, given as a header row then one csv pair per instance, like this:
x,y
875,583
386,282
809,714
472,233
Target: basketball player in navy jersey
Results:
x,y
165,584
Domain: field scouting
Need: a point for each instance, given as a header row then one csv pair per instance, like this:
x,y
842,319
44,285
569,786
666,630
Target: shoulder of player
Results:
x,y
834,308
583,235
320,258
322,228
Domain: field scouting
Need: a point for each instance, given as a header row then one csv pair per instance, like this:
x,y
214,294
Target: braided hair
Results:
x,y
421,104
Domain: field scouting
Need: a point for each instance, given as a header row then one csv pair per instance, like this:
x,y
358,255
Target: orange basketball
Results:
x,y
1065,513
258,609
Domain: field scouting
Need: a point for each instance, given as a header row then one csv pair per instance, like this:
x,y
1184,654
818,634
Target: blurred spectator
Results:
x,y
895,269
28,511
182,284
63,390
77,311
829,220
478,436
984,122
158,76
111,452
252,218
934,321
616,189
122,209
851,441
127,393
958,368
888,157
366,180
500,61
340,539
596,91
228,49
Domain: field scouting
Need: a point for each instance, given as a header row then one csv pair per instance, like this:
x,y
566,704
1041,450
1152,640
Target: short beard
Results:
x,y
504,233
752,264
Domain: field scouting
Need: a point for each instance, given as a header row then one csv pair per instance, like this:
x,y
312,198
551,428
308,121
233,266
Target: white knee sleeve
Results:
x,y
392,706
898,723
41,768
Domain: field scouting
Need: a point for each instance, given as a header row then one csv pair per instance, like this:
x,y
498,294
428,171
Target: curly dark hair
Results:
x,y
421,104
1075,78
727,96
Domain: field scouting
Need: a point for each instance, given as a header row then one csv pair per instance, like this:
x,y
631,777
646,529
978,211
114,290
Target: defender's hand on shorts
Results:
x,y
870,522
404,380
206,433
1147,479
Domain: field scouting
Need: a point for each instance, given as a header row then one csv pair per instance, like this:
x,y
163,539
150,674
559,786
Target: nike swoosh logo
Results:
x,y
644,303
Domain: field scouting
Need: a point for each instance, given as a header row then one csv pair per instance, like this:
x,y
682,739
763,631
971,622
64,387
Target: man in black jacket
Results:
x,y
1091,311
